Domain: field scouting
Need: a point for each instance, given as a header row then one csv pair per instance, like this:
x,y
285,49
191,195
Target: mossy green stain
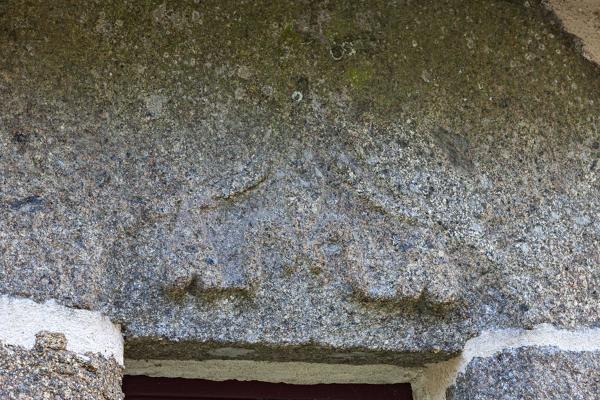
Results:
x,y
486,61
359,75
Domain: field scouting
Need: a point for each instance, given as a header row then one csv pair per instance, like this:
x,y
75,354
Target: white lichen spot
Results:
x,y
470,43
244,72
267,90
426,76
160,12
348,49
582,220
297,96
195,16
240,93
524,247
336,57
154,104
102,25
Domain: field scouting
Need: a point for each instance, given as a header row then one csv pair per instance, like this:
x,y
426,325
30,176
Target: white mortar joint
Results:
x,y
86,331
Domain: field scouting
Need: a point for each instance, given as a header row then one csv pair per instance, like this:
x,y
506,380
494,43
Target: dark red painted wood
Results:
x,y
146,388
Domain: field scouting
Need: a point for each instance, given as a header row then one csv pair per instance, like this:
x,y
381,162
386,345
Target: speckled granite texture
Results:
x,y
531,373
342,181
49,372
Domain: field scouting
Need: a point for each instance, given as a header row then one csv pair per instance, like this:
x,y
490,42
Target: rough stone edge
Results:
x,y
428,383
86,331
437,378
587,44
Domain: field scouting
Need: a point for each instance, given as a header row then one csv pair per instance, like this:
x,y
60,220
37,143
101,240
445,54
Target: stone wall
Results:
x,y
531,373
354,182
49,371
48,351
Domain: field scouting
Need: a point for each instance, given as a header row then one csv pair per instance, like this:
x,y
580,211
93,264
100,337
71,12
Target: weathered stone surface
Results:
x,y
50,372
531,373
320,180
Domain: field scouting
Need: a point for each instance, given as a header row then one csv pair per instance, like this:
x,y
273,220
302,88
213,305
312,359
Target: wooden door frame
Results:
x,y
149,388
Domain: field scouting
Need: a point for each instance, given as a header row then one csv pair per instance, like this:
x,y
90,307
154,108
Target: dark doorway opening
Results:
x,y
145,388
